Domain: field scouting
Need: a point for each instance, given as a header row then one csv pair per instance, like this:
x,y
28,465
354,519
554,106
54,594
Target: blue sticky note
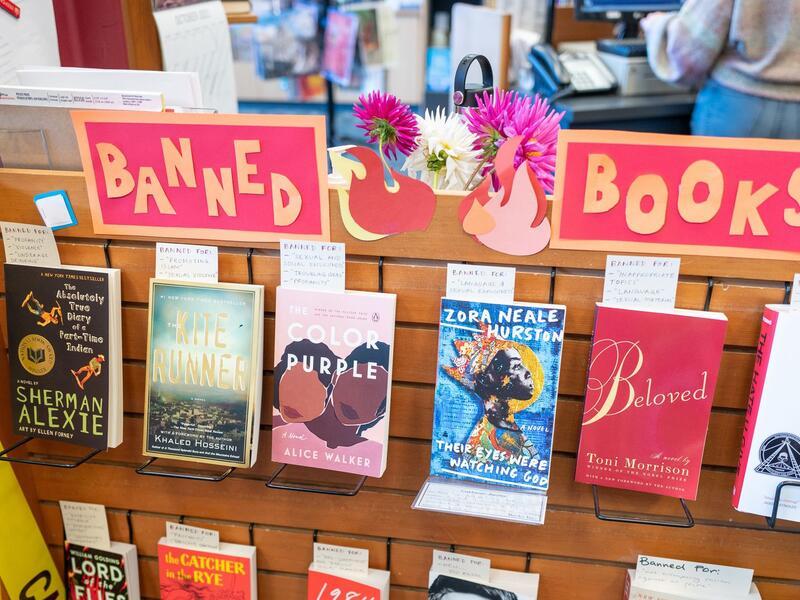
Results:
x,y
55,209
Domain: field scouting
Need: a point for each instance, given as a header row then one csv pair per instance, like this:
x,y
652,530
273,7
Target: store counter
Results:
x,y
665,113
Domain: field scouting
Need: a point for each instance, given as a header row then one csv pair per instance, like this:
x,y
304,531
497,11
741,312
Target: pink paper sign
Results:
x,y
241,178
637,192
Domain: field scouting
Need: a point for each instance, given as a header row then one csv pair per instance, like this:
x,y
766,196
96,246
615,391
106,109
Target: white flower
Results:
x,y
444,154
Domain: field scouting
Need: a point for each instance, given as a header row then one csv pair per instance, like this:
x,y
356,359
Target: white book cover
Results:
x,y
771,444
635,591
505,585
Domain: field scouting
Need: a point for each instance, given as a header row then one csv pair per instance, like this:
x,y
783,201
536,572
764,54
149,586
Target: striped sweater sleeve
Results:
x,y
682,47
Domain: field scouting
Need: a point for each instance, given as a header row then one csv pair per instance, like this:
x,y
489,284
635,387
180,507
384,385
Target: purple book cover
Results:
x,y
333,377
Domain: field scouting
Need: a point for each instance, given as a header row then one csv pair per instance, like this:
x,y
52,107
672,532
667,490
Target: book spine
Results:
x,y
769,324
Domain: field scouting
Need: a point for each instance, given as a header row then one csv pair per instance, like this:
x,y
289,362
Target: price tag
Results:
x,y
480,282
794,299
310,265
641,280
186,535
30,245
85,524
55,209
461,498
461,565
341,559
186,262
692,578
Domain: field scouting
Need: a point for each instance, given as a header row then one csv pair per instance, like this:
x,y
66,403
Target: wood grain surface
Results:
x,y
577,555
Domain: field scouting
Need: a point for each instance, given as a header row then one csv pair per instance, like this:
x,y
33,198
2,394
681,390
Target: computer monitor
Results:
x,y
628,12
612,9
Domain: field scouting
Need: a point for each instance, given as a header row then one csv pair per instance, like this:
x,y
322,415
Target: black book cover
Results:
x,y
58,329
95,574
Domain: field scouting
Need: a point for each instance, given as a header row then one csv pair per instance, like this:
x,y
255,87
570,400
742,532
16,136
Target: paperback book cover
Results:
x,y
650,387
771,442
327,585
64,342
501,585
188,573
333,378
204,372
97,574
496,392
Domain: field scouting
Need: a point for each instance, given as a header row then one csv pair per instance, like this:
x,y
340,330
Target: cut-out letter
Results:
x,y
700,171
244,169
745,210
601,193
149,185
285,213
644,186
178,162
119,181
791,216
219,192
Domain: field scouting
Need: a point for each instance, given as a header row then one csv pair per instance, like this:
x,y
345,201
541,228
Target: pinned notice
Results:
x,y
29,244
341,559
85,524
461,565
186,535
308,265
641,280
185,262
692,579
480,282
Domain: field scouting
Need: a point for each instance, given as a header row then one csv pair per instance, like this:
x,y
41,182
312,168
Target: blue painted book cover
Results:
x,y
496,392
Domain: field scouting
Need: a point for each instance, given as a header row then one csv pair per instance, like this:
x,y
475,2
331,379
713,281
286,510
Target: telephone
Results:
x,y
569,72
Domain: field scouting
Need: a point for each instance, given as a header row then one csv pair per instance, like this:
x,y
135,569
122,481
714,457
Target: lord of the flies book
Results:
x,y
100,574
204,372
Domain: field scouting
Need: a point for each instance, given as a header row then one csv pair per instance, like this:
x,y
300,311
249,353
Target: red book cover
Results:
x,y
325,586
196,574
649,392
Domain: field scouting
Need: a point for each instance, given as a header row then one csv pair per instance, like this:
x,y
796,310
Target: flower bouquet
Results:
x,y
457,151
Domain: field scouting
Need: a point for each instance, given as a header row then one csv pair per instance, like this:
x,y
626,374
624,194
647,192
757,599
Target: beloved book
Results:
x,y
501,585
65,353
204,372
99,574
333,378
770,450
496,392
649,391
193,573
326,584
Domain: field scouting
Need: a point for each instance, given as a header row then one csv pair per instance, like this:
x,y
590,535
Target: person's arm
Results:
x,y
682,47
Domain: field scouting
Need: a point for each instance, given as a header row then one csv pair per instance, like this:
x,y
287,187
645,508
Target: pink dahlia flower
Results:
x,y
387,122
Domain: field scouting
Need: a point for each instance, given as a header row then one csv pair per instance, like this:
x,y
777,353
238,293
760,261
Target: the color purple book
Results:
x,y
333,377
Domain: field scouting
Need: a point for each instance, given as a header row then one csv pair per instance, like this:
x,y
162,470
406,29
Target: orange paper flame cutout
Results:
x,y
372,210
513,219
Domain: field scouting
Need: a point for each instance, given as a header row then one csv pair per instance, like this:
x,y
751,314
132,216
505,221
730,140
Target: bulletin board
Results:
x,y
577,555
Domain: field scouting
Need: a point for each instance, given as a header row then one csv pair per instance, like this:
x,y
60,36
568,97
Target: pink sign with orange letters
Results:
x,y
239,178
619,191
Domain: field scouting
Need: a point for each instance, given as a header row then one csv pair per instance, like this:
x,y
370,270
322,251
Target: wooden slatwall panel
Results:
x,y
577,555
